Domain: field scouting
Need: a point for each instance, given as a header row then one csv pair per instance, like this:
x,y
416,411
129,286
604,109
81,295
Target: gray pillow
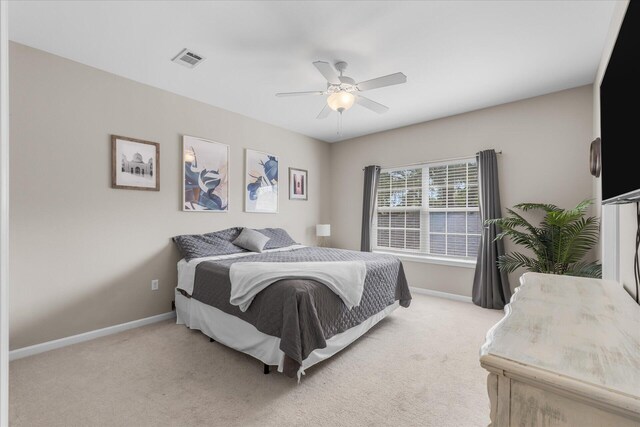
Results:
x,y
251,240
203,245
278,238
228,234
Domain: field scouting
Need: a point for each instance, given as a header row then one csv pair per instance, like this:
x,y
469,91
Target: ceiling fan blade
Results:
x,y
327,71
325,112
391,79
314,92
371,105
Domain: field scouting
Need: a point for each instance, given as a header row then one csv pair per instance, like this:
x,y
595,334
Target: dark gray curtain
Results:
x,y
490,285
371,175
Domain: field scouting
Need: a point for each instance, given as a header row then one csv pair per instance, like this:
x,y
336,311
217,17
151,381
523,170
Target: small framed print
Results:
x,y
135,164
298,184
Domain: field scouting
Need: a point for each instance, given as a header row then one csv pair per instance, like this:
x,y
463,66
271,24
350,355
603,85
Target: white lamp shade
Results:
x,y
341,101
323,230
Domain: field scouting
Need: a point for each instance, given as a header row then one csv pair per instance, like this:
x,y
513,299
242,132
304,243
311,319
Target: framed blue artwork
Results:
x,y
261,182
206,175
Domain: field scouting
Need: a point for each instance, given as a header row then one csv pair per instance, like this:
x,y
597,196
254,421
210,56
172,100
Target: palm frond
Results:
x,y
511,262
529,241
561,219
583,206
513,221
547,207
580,237
585,269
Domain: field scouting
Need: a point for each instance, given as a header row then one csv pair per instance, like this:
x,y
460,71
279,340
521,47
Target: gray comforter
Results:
x,y
304,313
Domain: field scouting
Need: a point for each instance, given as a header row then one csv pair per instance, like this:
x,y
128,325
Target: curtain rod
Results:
x,y
431,161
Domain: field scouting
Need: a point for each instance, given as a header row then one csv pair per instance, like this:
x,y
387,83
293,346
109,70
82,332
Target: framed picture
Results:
x,y
135,164
205,185
261,179
298,184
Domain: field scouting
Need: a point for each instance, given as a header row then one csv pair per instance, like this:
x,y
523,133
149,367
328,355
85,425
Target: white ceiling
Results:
x,y
458,55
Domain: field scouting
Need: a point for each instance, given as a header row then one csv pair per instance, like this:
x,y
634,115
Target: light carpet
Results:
x,y
418,367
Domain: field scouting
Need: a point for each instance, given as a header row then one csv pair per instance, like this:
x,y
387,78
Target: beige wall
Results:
x,y
82,254
545,143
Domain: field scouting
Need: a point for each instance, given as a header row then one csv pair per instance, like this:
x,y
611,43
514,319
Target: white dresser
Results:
x,y
567,353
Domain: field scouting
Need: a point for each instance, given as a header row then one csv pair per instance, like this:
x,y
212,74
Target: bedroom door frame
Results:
x,y
4,213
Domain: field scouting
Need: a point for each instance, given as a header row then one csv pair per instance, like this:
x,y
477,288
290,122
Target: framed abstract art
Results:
x,y
205,175
261,182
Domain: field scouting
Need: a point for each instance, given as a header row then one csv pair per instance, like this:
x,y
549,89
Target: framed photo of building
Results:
x,y
205,175
135,164
298,184
261,181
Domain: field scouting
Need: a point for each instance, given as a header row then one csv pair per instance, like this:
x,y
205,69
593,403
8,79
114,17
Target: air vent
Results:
x,y
188,58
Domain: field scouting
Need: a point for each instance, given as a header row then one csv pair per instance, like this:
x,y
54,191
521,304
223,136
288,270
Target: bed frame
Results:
x,y
265,368
235,333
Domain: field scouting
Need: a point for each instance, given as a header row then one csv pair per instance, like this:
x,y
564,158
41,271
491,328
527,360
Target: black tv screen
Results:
x,y
619,114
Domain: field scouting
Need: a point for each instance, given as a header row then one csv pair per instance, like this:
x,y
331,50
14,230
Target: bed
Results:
x,y
294,322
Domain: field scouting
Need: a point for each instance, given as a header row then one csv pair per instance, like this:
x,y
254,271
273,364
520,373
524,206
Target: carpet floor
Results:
x,y
417,367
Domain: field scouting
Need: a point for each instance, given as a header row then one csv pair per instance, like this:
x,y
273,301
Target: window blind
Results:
x,y
429,209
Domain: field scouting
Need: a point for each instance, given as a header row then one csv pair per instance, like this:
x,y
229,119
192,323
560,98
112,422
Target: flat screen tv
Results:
x,y
619,114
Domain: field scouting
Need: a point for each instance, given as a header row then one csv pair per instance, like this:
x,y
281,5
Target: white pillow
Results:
x,y
251,240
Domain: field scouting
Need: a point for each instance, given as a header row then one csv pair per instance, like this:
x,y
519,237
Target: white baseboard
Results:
x,y
439,294
86,336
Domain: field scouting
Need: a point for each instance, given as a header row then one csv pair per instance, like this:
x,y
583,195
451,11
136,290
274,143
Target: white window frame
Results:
x,y
423,255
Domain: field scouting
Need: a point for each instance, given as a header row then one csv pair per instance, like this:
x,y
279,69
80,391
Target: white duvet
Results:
x,y
344,278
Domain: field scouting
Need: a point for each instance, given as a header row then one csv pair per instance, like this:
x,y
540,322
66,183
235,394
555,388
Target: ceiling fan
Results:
x,y
343,91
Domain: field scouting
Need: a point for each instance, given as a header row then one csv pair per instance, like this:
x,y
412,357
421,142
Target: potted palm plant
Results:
x,y
559,243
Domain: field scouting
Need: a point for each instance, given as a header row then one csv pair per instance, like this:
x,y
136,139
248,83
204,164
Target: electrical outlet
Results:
x,y
154,285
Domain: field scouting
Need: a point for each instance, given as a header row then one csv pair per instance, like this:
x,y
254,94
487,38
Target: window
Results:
x,y
430,209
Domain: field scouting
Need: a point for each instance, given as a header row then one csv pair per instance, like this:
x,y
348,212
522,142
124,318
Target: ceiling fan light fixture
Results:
x,y
341,101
